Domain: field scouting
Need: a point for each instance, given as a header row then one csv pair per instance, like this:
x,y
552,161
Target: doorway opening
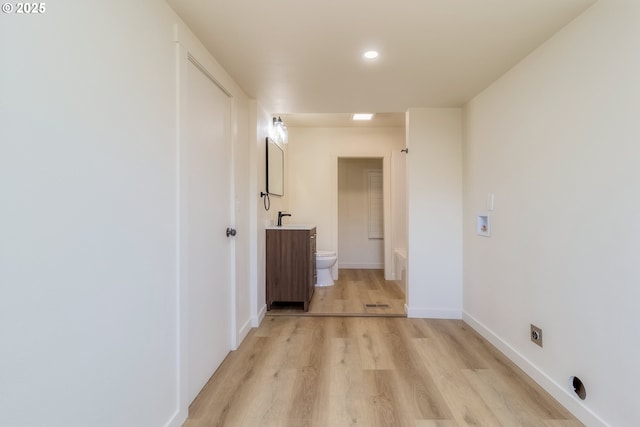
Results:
x,y
360,213
361,286
364,281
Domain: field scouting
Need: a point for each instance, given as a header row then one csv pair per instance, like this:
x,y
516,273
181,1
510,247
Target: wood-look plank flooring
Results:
x,y
296,371
352,292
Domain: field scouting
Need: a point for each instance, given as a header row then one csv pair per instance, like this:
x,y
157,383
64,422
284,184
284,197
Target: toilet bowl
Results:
x,y
324,261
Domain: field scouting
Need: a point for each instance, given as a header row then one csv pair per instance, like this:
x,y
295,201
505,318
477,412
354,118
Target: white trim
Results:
x,y
254,314
185,37
177,419
375,201
243,332
368,265
386,194
433,313
231,136
206,72
181,291
180,415
560,393
255,321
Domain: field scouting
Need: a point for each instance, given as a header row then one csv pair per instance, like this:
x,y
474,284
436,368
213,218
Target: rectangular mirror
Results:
x,y
275,168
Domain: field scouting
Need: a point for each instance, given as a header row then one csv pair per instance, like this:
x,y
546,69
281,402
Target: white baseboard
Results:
x,y
177,419
559,392
371,266
256,320
243,332
433,313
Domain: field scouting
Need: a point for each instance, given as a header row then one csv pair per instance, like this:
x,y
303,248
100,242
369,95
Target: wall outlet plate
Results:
x,y
483,225
536,335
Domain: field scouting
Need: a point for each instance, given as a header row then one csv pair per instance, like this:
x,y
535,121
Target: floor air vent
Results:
x,y
376,306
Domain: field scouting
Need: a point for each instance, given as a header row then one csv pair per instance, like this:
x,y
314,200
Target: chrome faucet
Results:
x,y
280,215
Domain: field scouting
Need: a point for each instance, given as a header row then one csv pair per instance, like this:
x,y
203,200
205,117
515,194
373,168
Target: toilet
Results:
x,y
324,261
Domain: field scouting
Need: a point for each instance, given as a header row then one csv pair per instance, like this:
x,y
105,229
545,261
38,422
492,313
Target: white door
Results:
x,y
206,210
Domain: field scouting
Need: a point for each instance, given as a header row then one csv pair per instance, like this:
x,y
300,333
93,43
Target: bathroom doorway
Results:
x,y
361,287
363,223
360,213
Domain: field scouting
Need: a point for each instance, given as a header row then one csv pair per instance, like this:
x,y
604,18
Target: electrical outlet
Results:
x,y
536,335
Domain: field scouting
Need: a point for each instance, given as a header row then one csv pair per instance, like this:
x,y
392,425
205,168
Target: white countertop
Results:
x,y
291,227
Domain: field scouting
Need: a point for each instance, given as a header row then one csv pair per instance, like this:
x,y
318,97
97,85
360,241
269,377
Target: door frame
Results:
x,y
386,193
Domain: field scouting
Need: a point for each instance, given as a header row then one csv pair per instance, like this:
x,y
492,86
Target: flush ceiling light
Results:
x,y
371,54
362,116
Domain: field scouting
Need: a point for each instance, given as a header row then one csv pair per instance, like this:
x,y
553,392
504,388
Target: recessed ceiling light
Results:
x,y
371,54
362,116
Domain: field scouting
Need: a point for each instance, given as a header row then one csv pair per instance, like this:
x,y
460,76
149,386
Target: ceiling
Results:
x,y
324,120
302,56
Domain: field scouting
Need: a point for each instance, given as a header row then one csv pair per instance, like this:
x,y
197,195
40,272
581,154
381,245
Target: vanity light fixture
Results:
x,y
362,116
280,132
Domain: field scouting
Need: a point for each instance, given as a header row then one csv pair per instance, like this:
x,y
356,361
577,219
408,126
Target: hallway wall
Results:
x,y
556,141
262,123
434,212
89,272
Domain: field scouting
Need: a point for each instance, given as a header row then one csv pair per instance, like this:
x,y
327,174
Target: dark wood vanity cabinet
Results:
x,y
291,265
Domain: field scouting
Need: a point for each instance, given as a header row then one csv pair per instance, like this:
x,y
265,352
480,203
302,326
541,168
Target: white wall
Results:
x,y
556,141
434,212
244,215
88,254
264,218
355,247
312,173
399,200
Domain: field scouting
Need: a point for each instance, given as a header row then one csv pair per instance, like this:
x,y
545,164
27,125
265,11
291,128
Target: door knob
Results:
x,y
231,232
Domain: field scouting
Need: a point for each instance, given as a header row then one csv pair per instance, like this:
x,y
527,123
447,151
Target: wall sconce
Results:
x,y
280,132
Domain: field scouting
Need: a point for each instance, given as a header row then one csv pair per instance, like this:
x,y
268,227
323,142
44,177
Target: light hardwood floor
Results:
x,y
297,371
353,294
